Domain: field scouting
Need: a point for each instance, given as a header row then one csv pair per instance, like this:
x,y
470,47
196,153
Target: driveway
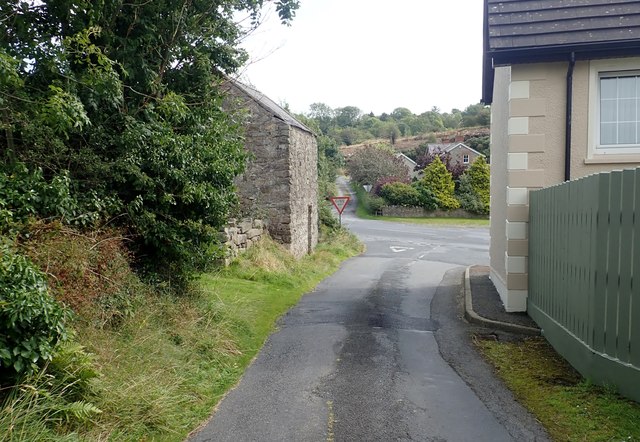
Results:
x,y
361,357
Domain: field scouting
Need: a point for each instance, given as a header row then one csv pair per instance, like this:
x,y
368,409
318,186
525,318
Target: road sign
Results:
x,y
340,202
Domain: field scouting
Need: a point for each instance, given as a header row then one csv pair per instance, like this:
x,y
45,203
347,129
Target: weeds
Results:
x,y
157,371
570,408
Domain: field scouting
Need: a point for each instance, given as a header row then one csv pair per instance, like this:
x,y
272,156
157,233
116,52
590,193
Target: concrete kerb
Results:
x,y
472,316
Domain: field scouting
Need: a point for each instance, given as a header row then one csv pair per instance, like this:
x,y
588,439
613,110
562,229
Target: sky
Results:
x,y
373,54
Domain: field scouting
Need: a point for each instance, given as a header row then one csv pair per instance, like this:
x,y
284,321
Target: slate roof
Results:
x,y
270,106
526,31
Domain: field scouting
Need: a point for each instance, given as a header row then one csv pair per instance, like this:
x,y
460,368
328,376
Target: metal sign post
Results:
x,y
340,202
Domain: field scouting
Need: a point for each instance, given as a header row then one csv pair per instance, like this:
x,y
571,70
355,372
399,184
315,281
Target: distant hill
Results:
x,y
409,143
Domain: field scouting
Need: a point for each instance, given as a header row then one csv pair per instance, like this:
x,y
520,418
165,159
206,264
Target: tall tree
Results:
x,y
439,181
124,95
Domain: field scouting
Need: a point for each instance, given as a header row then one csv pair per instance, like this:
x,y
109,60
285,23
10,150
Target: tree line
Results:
x,y
349,125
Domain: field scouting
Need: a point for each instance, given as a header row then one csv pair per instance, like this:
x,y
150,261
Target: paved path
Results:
x,y
357,359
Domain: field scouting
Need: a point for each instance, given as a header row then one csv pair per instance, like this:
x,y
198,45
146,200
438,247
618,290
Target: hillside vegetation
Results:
x,y
142,364
349,125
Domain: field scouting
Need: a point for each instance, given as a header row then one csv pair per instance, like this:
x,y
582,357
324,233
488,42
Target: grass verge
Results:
x,y
163,366
570,408
361,212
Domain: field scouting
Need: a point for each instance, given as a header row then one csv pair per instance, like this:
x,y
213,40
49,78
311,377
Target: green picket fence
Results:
x,y
584,275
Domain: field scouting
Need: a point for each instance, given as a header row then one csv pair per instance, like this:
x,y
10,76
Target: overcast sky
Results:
x,y
373,54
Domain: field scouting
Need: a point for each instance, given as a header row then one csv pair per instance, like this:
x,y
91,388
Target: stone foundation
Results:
x,y
239,236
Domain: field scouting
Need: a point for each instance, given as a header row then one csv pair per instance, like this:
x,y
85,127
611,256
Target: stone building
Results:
x,y
280,184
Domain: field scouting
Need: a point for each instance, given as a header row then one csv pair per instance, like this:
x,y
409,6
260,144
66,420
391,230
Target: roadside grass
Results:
x,y
569,407
361,212
165,365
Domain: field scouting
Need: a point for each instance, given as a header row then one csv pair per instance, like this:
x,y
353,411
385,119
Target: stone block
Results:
x,y
245,225
254,233
258,224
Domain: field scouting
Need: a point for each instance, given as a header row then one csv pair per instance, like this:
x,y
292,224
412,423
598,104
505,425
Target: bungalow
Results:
x,y
563,81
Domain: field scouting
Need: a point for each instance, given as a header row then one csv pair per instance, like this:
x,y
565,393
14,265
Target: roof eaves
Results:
x,y
538,54
270,106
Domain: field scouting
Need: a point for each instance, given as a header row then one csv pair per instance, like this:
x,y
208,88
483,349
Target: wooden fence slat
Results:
x,y
613,265
626,261
634,325
598,309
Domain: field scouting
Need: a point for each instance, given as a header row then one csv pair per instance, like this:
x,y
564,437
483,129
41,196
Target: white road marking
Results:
x,y
397,249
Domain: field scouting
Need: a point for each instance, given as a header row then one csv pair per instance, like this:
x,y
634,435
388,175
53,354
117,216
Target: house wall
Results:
x,y
535,155
303,153
457,155
499,148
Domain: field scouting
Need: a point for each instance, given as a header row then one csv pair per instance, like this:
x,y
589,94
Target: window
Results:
x,y
614,107
465,159
619,93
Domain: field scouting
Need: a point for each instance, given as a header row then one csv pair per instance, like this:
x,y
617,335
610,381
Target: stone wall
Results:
x,y
303,154
457,156
280,183
419,212
239,236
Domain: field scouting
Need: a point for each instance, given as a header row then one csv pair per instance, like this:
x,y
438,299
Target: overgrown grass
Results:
x,y
570,408
165,365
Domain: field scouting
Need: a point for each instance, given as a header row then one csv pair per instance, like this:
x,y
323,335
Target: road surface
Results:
x,y
358,360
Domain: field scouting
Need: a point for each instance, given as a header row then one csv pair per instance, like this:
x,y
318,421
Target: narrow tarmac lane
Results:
x,y
357,359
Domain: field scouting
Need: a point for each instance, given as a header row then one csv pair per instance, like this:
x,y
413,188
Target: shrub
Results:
x,y
473,191
26,193
400,194
31,321
325,215
440,182
387,180
426,200
469,199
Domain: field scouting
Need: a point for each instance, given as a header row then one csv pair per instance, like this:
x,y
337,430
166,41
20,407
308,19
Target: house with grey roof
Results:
x,y
457,152
563,81
280,183
410,165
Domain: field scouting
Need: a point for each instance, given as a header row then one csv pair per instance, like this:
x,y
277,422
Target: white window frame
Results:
x,y
465,159
630,66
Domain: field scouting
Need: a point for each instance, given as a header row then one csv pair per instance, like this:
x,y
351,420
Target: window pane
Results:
x,y
608,88
626,133
619,109
626,110
608,112
626,87
608,133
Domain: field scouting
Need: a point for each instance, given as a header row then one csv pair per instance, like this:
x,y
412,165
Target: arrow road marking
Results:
x,y
397,249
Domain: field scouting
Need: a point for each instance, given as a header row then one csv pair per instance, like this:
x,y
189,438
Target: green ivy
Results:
x,y
31,321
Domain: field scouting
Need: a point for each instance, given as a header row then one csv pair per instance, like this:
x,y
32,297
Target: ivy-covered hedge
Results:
x,y
31,321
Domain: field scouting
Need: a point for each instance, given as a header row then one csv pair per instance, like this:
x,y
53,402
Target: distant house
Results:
x,y
458,152
411,165
280,184
563,81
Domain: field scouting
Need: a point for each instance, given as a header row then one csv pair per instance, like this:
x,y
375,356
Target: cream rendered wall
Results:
x,y
535,157
499,149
